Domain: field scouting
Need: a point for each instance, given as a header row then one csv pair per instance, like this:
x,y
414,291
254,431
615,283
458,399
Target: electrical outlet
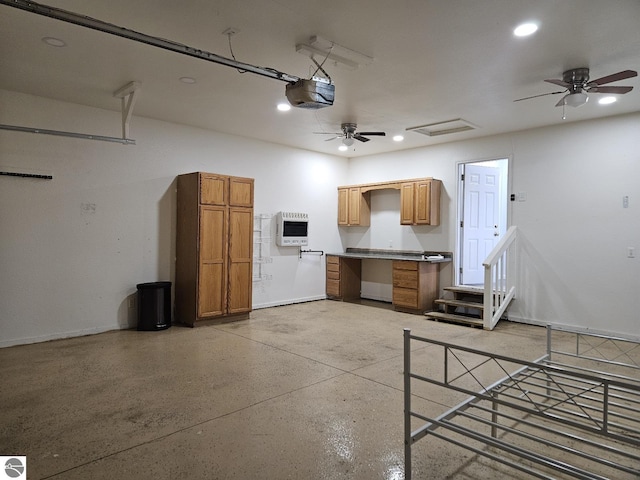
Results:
x,y
631,252
625,201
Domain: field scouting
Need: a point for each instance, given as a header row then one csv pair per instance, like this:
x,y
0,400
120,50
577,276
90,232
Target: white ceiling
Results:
x,y
434,60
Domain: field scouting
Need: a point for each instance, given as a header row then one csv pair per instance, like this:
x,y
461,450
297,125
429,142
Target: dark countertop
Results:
x,y
411,255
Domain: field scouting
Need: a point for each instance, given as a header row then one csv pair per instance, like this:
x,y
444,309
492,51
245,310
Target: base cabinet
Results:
x,y
214,247
415,283
415,286
343,278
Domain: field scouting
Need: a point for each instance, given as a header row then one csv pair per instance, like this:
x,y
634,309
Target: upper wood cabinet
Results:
x,y
419,202
353,207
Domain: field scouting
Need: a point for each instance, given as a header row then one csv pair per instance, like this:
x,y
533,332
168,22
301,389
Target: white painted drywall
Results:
x,y
73,248
574,231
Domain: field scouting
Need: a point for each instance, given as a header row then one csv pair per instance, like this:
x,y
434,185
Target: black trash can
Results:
x,y
154,305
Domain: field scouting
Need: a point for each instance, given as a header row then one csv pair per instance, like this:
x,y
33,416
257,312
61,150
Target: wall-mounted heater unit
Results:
x,y
292,229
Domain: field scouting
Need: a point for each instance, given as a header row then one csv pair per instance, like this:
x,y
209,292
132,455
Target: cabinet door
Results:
x,y
214,189
343,206
241,192
240,259
422,203
407,203
355,199
212,298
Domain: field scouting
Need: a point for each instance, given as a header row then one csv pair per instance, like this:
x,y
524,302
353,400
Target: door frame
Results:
x,y
457,254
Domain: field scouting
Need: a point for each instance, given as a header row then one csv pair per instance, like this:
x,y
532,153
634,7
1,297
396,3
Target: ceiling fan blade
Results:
x,y
558,82
598,89
332,138
358,136
541,95
613,78
561,102
327,133
372,134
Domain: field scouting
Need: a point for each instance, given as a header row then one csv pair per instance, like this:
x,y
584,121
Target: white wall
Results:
x,y
72,249
574,230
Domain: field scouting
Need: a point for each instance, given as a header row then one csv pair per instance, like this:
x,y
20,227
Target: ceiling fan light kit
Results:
x,y
349,134
577,86
576,99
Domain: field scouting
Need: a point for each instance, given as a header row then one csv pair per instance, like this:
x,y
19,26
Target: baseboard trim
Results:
x,y
60,336
573,328
280,303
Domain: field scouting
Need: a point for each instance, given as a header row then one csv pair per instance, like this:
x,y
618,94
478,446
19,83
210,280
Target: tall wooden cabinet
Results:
x,y
214,247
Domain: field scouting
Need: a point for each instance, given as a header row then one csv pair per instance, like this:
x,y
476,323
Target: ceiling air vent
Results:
x,y
444,128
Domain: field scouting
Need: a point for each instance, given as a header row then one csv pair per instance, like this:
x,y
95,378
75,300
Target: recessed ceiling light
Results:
x,y
284,107
189,80
54,42
398,138
525,29
343,148
607,100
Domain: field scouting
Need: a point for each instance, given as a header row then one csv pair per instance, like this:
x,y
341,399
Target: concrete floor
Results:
x,y
305,391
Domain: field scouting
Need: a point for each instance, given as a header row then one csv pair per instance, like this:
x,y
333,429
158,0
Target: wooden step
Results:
x,y
465,290
460,303
450,317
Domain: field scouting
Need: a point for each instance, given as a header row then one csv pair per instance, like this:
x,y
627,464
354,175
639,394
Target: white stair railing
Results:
x,y
499,278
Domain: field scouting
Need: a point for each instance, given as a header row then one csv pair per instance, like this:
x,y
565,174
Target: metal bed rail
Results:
x,y
617,353
543,418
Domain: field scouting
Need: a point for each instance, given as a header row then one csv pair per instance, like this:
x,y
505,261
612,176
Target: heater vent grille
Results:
x,y
443,128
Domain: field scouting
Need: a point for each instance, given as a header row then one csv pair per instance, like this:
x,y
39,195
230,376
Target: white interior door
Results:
x,y
480,229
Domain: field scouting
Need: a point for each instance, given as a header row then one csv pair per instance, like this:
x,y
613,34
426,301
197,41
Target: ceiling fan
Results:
x,y
577,86
349,134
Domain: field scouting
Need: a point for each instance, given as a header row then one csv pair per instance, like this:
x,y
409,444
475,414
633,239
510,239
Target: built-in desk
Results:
x,y
416,276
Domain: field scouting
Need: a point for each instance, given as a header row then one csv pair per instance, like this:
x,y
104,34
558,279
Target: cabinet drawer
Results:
x,y
333,267
405,297
333,287
333,260
405,265
405,278
333,275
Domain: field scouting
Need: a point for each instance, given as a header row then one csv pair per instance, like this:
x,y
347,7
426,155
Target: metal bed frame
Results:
x,y
572,413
